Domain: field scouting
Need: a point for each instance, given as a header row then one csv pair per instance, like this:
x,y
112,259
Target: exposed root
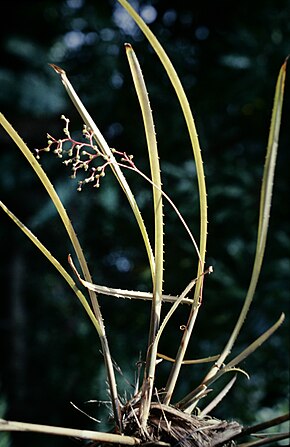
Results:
x,y
169,425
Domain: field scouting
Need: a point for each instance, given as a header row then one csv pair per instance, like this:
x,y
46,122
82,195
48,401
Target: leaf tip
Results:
x,y
57,69
128,46
284,65
282,318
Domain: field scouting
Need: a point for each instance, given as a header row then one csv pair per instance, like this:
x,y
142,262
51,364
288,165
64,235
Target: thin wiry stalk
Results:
x,y
133,167
149,373
201,185
77,247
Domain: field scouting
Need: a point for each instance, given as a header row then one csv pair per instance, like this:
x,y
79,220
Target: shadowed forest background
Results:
x,y
228,57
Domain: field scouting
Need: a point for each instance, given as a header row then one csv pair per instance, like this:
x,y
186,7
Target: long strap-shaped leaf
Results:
x,y
77,247
130,294
171,72
265,205
56,264
189,402
56,201
104,147
73,433
174,79
143,98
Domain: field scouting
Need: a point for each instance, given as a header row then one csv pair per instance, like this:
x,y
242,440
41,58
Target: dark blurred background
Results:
x,y
228,56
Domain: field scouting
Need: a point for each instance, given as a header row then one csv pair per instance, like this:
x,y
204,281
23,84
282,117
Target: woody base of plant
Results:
x,y
177,428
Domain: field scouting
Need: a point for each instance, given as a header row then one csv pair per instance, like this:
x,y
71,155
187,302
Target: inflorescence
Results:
x,y
82,154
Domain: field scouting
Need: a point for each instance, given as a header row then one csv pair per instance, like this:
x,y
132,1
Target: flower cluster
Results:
x,y
80,155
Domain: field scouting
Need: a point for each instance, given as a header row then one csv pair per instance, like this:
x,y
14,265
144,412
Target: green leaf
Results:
x,y
171,72
56,264
77,247
191,400
104,147
265,205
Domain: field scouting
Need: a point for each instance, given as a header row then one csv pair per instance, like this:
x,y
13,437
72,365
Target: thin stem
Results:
x,y
133,167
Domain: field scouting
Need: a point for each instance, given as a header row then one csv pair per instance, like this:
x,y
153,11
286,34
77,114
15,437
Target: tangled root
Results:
x,y
172,426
